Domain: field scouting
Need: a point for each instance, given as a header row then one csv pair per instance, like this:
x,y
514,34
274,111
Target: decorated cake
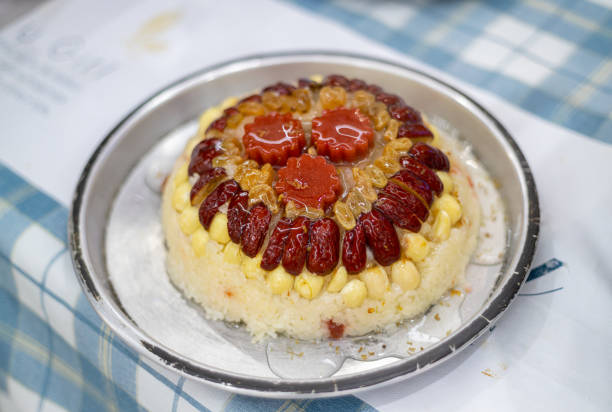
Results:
x,y
323,208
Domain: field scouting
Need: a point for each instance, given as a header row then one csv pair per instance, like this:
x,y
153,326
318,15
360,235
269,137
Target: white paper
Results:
x,y
71,70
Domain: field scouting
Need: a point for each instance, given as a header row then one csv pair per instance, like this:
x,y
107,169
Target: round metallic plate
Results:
x,y
180,103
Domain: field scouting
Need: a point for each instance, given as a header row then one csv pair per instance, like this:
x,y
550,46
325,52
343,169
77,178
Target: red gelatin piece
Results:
x,y
354,255
280,88
414,131
405,113
342,134
336,80
430,156
406,197
237,215
276,245
197,191
255,230
324,246
336,330
309,181
399,213
209,207
273,139
203,154
424,172
381,237
296,246
416,184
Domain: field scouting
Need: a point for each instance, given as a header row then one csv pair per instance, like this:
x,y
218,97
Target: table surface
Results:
x,y
69,70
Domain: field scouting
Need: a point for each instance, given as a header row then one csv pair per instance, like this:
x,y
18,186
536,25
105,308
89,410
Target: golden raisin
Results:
x,y
287,103
392,128
234,120
243,168
388,165
344,215
399,146
377,176
332,97
271,100
250,178
264,193
250,108
231,146
357,203
302,100
367,191
363,100
381,118
293,210
225,160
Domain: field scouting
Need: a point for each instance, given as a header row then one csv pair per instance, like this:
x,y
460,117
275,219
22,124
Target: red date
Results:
x,y
324,246
276,245
381,237
296,248
197,191
416,184
399,213
354,249
424,172
237,215
255,230
430,156
222,193
406,197
203,154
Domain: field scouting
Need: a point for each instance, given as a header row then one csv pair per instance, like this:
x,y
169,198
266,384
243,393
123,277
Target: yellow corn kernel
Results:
x,y
181,174
376,281
441,227
308,285
218,229
447,181
450,205
180,197
251,267
317,78
232,254
405,274
199,239
338,280
229,102
354,293
189,220
416,247
280,281
207,118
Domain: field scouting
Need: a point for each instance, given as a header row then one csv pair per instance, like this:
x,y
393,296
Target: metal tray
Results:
x,y
171,112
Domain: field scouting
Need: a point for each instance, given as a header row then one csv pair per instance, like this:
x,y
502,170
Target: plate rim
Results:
x,y
331,386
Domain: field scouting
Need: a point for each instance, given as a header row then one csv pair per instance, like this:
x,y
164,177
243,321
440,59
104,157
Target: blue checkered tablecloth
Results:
x,y
550,58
